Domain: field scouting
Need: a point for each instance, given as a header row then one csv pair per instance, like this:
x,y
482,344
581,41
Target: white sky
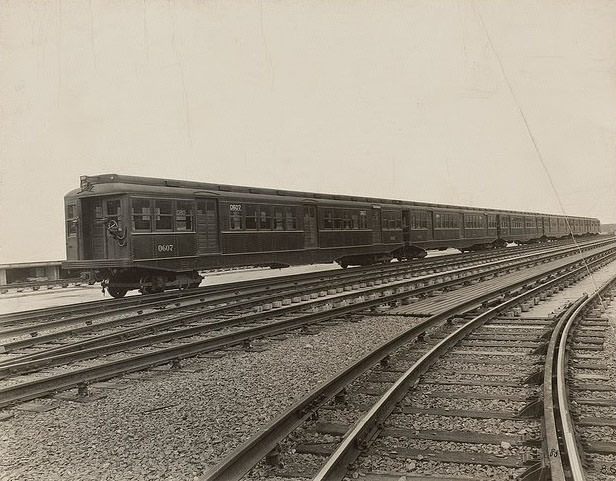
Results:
x,y
393,98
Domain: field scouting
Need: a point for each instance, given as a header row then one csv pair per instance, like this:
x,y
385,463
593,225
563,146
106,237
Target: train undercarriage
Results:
x,y
403,253
119,281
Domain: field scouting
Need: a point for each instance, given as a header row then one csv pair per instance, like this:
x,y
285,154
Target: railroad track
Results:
x,y
459,371
118,306
579,402
77,281
263,323
223,310
37,285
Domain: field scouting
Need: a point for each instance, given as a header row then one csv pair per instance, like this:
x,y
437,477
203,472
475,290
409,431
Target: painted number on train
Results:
x,y
165,247
235,207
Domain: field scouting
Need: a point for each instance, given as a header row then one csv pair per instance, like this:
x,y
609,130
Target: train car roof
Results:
x,y
136,184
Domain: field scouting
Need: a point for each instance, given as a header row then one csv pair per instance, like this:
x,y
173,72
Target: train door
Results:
x,y
377,237
310,227
406,226
93,228
429,226
73,235
207,226
498,227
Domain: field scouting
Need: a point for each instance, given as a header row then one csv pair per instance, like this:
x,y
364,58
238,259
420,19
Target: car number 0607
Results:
x,y
165,247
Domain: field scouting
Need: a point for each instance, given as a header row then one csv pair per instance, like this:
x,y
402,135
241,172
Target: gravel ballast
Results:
x,y
175,425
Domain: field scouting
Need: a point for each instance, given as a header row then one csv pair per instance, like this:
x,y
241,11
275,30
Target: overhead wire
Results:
x,y
535,146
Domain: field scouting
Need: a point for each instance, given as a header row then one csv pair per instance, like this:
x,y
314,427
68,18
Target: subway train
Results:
x,y
154,234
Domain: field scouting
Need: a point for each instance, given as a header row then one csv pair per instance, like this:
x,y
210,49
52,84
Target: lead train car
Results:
x,y
153,234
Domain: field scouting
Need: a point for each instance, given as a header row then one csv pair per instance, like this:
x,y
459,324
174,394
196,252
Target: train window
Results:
x,y
235,216
473,221
385,219
355,220
113,212
328,220
419,220
392,220
363,219
491,222
183,216
347,223
446,221
338,224
164,215
454,221
278,219
251,217
142,215
265,218
113,208
529,223
71,228
290,216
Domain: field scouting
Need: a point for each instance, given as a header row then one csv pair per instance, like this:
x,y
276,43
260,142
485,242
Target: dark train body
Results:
x,y
151,234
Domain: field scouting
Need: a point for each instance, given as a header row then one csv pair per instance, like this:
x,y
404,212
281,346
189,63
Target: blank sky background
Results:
x,y
400,98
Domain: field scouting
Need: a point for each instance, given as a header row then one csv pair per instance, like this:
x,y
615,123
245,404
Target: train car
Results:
x,y
155,234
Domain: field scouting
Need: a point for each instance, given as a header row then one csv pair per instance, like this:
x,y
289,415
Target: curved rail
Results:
x,y
562,447
368,427
248,454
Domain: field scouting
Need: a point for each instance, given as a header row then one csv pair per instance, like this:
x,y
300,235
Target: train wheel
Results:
x,y
117,292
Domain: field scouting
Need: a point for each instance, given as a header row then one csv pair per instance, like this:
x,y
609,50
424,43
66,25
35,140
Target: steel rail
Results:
x,y
248,454
95,347
567,425
82,350
39,284
561,447
11,318
550,405
574,456
229,290
134,301
34,389
368,427
7,347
